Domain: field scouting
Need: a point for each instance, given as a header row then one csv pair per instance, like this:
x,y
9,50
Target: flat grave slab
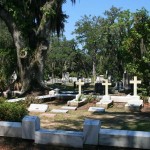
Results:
x,y
16,99
124,99
59,111
136,102
38,107
69,108
45,96
134,105
96,109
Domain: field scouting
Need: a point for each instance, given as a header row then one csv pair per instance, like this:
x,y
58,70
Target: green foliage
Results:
x,y
91,98
64,57
121,43
12,111
80,97
31,99
2,100
8,59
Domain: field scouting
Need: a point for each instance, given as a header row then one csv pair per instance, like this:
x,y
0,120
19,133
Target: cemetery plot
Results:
x,y
115,117
106,101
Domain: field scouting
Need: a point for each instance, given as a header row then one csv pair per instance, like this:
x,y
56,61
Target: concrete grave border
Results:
x,y
92,134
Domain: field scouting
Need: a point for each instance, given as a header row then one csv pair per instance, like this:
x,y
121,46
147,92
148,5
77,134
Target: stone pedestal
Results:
x,y
106,97
30,124
134,105
76,103
90,131
105,102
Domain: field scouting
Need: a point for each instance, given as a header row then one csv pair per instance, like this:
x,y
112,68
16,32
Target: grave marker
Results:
x,y
135,82
59,111
106,86
80,83
69,108
96,109
38,107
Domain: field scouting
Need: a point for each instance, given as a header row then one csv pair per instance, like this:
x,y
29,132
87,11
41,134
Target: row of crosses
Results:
x,y
106,84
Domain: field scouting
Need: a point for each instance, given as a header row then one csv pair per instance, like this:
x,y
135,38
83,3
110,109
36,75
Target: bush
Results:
x,y
2,100
91,98
12,111
31,100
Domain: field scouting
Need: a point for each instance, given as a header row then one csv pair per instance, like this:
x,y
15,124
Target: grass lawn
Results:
x,y
115,117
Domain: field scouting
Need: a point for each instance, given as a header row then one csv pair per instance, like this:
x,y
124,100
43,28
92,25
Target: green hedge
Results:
x,y
12,111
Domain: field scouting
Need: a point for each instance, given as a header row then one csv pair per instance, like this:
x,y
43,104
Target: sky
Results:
x,y
96,8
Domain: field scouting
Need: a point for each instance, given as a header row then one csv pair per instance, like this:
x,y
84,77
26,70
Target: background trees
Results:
x,y
65,56
89,36
119,42
115,42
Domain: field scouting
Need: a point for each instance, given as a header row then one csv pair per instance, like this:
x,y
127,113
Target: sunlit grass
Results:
x,y
114,118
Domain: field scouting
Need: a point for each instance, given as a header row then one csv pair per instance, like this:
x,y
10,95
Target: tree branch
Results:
x,y
45,21
12,27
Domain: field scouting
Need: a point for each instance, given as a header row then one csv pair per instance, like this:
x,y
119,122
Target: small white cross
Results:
x,y
80,84
135,82
106,86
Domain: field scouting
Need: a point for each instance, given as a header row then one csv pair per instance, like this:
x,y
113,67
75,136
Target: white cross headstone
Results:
x,y
80,83
106,86
135,82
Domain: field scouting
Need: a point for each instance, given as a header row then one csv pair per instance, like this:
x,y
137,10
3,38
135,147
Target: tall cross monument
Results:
x,y
80,83
106,86
135,82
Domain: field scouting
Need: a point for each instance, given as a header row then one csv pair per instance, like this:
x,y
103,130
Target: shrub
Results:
x,y
2,100
91,98
31,99
12,111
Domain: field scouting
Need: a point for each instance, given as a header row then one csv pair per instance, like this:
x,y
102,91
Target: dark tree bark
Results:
x,y
30,65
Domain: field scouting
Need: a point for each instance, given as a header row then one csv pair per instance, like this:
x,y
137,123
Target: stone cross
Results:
x,y
135,82
106,86
80,83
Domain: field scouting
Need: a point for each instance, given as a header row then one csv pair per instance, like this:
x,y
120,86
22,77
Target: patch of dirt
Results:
x,y
146,107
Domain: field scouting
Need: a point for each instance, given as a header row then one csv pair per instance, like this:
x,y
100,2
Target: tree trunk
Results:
x,y
94,65
32,71
94,71
30,65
